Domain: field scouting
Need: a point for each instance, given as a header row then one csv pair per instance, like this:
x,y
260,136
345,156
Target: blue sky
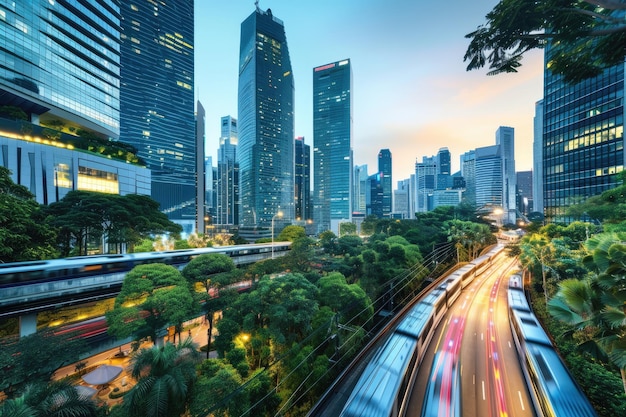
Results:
x,y
411,93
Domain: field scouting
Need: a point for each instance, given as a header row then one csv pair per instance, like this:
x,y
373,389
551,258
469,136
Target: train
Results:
x,y
25,273
383,387
553,390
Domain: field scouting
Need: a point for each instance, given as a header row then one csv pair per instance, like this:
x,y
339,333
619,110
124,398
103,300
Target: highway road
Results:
x,y
473,354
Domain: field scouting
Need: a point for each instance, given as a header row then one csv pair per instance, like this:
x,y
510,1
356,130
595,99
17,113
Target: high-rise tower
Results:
x,y
583,138
505,138
384,166
227,174
303,181
266,122
157,99
332,143
56,73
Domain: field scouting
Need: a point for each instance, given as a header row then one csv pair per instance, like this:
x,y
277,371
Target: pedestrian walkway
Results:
x,y
121,356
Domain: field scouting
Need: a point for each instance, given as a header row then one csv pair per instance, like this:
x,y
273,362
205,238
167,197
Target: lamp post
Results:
x,y
279,214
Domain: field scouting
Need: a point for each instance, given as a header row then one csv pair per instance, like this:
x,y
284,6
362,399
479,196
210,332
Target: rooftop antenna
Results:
x,y
256,3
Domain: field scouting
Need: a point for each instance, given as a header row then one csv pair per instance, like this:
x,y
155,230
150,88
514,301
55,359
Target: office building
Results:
x,y
332,143
359,193
444,169
227,207
468,172
62,78
505,139
402,199
374,195
157,100
59,95
425,182
489,181
265,122
303,208
525,192
385,167
538,158
201,185
582,138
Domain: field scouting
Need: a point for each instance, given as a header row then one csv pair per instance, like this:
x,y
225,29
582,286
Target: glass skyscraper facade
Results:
x,y
157,99
227,174
583,138
55,71
266,122
332,144
303,180
385,167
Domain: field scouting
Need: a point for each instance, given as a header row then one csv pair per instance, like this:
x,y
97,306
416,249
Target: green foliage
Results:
x,y
587,37
218,392
291,233
24,236
55,399
165,377
84,216
152,297
13,112
34,358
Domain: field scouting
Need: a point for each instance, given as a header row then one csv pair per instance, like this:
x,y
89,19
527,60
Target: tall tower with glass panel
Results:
x,y
332,144
67,84
505,138
227,174
385,166
266,122
583,138
157,99
303,181
57,74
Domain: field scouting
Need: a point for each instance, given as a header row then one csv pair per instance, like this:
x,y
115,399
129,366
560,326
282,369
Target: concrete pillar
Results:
x,y
28,324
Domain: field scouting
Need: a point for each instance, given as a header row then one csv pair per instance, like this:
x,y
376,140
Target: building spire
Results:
x,y
256,4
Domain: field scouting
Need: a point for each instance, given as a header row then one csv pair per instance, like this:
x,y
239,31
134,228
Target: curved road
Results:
x,y
477,327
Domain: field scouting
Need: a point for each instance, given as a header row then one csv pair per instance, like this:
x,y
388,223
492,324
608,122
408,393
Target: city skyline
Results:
x,y
411,95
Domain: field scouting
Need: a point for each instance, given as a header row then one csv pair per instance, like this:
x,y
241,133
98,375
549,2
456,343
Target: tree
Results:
x,y
25,360
165,376
291,233
210,272
218,391
56,399
596,306
23,234
587,36
152,297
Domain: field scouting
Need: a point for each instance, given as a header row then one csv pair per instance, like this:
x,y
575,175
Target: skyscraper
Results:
x,y
505,138
583,138
425,181
266,121
538,158
489,180
227,212
303,181
332,142
201,185
360,184
384,166
444,169
157,100
56,73
468,171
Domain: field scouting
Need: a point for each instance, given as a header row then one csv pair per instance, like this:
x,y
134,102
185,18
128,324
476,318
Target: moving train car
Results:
x,y
21,273
552,388
385,382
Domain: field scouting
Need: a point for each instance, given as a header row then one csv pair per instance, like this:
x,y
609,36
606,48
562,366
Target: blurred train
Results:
x,y
23,273
553,390
386,381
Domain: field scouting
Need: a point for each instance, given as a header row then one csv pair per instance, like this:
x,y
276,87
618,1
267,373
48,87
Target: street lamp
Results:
x,y
279,214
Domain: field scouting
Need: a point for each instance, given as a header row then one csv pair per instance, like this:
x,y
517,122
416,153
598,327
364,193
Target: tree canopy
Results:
x,y
23,234
586,36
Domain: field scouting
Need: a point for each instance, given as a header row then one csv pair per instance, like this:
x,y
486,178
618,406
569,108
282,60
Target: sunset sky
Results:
x,y
411,93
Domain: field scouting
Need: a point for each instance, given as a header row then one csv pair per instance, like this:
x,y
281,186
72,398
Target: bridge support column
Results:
x,y
28,324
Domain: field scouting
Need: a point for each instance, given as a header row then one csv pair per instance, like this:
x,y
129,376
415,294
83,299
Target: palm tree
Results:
x,y
56,399
164,377
596,306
